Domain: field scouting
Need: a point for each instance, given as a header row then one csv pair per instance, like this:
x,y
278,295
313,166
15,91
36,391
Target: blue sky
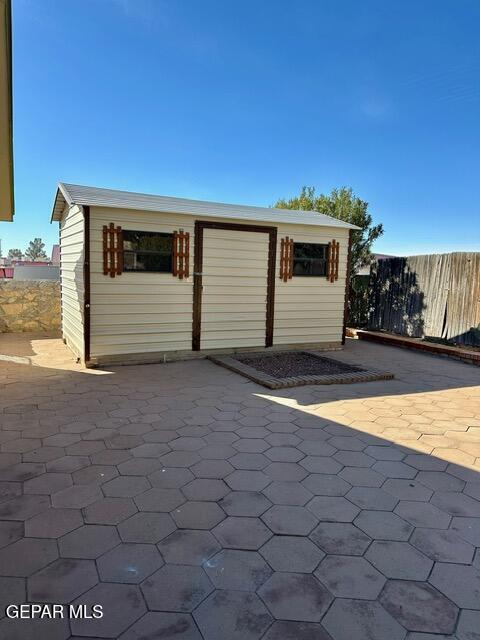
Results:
x,y
247,101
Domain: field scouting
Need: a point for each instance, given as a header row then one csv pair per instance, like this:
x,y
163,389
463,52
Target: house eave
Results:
x,y
6,113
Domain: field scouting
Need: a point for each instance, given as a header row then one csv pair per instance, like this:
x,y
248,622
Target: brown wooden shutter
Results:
x,y
181,254
332,260
286,259
112,250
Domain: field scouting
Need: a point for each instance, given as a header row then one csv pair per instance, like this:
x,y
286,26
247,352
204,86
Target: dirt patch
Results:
x,y
296,363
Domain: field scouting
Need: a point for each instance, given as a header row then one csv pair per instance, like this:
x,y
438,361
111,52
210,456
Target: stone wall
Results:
x,y
30,305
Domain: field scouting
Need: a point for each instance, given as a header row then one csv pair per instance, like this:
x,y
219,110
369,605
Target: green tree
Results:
x,y
344,205
36,250
15,254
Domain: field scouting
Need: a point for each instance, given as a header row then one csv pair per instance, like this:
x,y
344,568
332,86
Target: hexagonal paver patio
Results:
x,y
193,505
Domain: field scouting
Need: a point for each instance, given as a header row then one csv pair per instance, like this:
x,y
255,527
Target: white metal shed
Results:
x,y
146,278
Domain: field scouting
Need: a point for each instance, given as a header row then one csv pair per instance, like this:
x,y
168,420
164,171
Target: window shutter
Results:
x,y
181,254
112,250
332,261
286,259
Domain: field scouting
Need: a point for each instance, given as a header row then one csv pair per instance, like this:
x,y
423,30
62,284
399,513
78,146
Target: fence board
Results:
x,y
435,296
463,304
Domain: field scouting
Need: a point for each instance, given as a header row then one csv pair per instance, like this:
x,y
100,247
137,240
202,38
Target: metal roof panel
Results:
x,y
94,196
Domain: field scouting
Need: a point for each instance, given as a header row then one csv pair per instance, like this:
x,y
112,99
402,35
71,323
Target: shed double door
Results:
x,y
234,288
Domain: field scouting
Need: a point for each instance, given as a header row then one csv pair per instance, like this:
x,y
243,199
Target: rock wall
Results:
x,y
30,305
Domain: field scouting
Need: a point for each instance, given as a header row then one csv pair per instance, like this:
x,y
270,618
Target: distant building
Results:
x,y
17,269
36,271
56,255
16,262
6,272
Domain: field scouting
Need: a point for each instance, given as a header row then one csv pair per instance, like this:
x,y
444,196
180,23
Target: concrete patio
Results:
x,y
192,503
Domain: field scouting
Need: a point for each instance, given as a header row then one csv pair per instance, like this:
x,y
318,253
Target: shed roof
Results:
x,y
93,196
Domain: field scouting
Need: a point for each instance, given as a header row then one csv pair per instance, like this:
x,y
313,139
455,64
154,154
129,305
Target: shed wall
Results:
x,y
310,309
71,278
142,313
138,312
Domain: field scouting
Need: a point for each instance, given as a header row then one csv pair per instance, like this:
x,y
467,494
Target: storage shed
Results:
x,y
147,278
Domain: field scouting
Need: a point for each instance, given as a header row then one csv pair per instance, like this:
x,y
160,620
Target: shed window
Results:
x,y
310,259
147,251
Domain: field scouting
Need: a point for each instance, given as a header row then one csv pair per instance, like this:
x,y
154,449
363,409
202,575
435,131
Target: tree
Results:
x,y
344,205
15,254
36,250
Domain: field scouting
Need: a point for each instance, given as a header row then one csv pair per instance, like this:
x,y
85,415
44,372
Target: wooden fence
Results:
x,y
433,296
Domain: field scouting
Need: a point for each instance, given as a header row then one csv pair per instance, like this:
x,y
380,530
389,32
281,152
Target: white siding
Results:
x,y
145,313
71,277
138,312
234,289
310,309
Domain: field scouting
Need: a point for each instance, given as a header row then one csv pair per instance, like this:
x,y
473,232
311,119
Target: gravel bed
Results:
x,y
295,363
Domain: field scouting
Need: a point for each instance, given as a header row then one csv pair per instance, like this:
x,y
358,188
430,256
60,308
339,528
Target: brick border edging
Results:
x,y
456,353
368,375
